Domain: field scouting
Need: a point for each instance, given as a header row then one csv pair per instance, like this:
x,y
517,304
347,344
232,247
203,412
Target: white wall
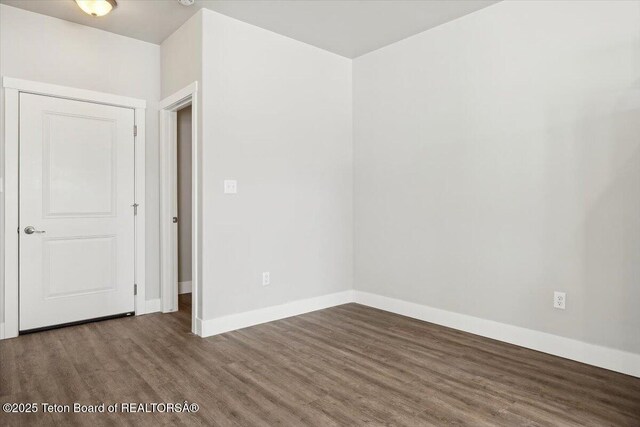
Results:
x,y
181,56
276,117
45,49
181,63
497,159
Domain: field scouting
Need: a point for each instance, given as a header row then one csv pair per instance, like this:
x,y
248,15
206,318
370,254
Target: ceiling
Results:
x,y
348,28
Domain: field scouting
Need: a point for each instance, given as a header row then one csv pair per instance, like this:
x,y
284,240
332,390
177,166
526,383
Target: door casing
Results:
x,y
168,204
9,326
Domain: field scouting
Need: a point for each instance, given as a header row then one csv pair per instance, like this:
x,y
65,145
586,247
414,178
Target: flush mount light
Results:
x,y
97,7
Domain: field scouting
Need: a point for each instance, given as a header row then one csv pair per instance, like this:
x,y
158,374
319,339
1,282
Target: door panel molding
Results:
x,y
9,328
111,239
49,154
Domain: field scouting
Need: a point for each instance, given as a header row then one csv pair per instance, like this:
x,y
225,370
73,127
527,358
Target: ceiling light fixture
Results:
x,y
97,7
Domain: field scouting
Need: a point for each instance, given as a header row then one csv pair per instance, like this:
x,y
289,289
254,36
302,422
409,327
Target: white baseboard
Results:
x,y
152,306
1,330
604,357
592,354
184,287
198,327
269,314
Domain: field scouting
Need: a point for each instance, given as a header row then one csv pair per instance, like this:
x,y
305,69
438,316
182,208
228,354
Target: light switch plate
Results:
x,y
230,186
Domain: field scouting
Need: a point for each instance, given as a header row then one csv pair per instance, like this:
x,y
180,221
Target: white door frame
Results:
x,y
168,202
12,89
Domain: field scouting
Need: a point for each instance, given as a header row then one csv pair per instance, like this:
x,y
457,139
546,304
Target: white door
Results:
x,y
76,215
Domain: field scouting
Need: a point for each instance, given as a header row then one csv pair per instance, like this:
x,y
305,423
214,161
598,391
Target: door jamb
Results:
x,y
168,202
12,89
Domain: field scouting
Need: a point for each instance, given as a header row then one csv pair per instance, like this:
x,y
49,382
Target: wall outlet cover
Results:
x,y
230,186
266,278
559,300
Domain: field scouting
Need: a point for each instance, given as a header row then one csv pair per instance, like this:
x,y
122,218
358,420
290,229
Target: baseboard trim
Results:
x,y
198,327
152,306
1,330
269,314
591,354
603,357
184,287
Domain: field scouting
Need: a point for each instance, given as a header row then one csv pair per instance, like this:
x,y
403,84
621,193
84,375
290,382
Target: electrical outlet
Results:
x,y
266,278
559,300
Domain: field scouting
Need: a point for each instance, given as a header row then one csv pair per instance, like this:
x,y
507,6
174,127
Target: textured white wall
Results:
x,y
181,61
276,117
50,50
181,58
497,159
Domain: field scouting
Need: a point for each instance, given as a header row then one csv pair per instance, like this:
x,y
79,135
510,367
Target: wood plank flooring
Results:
x,y
347,365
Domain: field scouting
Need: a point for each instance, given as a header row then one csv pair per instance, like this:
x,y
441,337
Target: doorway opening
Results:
x,y
179,214
184,211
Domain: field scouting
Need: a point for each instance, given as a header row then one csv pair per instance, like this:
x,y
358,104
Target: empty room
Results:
x,y
320,212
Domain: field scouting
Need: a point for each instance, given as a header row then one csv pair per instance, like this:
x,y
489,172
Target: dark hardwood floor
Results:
x,y
347,365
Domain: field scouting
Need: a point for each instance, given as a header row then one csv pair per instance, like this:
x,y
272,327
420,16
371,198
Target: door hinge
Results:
x,y
135,130
135,289
135,208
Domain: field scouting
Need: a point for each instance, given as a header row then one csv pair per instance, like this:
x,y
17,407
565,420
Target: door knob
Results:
x,y
31,229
